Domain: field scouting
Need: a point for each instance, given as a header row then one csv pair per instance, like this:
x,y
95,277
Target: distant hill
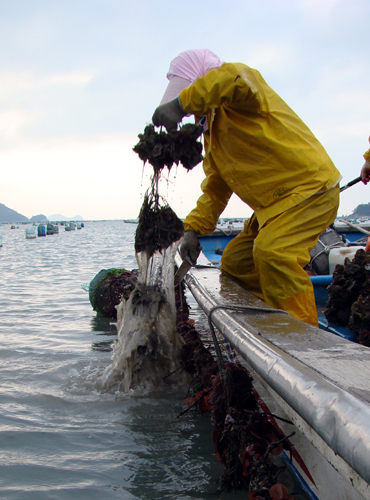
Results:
x,y
362,210
9,215
60,217
39,218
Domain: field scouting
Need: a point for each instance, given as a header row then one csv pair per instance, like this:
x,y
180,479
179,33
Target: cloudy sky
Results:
x,y
80,79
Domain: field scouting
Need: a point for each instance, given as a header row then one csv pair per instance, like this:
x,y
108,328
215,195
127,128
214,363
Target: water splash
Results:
x,y
148,345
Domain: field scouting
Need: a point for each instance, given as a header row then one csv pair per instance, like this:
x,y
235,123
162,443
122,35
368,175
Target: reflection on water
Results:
x,y
103,325
103,346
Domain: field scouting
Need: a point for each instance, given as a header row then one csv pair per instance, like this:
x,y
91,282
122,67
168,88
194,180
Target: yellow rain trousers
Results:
x,y
259,149
269,261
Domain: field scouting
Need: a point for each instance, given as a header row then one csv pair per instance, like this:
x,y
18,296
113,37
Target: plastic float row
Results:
x,y
47,229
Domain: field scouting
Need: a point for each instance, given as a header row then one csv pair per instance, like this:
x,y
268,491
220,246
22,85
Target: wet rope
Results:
x,y
326,250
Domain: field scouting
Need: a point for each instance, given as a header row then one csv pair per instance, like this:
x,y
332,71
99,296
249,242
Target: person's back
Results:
x,y
261,148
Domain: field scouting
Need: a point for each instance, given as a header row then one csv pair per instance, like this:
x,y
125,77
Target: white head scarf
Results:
x,y
186,68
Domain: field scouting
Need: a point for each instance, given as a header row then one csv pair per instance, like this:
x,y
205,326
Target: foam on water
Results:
x,y
148,345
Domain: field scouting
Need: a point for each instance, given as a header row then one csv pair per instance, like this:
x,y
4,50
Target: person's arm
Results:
x,y
365,171
210,205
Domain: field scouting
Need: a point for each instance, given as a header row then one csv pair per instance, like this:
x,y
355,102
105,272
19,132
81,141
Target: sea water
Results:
x,y
61,437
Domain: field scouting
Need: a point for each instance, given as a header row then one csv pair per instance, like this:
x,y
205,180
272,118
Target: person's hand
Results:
x,y
190,246
365,172
169,115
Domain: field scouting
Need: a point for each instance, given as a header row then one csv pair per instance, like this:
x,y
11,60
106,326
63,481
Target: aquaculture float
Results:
x,y
70,226
52,228
30,232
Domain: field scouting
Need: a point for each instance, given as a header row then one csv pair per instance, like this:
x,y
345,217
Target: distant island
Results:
x,y
39,218
11,216
59,217
362,210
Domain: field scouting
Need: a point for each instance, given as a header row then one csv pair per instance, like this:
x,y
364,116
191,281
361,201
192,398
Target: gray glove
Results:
x,y
169,115
190,246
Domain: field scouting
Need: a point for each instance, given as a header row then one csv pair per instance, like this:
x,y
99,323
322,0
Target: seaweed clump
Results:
x,y
162,149
359,322
158,226
349,296
107,289
246,438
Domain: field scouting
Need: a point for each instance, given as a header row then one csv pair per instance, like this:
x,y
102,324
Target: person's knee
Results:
x,y
263,253
226,264
237,258
229,258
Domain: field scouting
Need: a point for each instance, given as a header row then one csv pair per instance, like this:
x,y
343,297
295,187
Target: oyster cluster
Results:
x,y
162,149
158,226
349,296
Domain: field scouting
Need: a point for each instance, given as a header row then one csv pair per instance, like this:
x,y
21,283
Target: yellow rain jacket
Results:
x,y
259,149
367,154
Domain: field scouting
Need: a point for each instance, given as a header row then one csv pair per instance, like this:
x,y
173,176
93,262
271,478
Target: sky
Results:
x,y
80,79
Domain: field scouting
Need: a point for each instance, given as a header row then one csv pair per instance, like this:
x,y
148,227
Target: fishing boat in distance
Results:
x,y
315,378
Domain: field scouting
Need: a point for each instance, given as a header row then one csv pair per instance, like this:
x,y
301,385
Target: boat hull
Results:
x,y
320,381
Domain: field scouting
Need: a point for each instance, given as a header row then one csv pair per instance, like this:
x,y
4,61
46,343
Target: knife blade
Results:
x,y
187,263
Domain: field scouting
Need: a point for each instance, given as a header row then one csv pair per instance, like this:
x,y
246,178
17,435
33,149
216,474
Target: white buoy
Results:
x,y
30,232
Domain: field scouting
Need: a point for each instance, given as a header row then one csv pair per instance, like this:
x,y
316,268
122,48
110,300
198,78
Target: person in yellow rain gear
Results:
x,y
365,171
258,148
